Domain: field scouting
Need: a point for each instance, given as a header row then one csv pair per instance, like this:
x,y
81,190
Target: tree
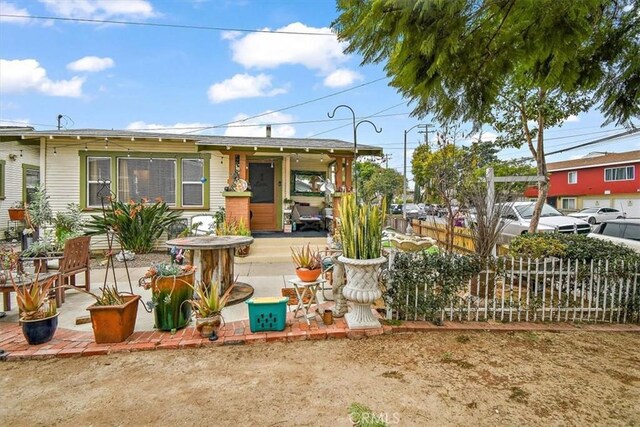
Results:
x,y
375,181
505,63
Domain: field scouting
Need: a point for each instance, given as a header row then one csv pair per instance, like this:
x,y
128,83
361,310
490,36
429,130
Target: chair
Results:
x,y
75,260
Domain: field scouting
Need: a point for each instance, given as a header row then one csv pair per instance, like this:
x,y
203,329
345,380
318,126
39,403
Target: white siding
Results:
x,y
13,175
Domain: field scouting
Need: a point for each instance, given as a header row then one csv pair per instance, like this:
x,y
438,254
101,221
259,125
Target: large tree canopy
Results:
x,y
522,66
455,58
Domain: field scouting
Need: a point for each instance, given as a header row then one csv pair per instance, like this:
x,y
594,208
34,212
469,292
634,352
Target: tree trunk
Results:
x,y
541,166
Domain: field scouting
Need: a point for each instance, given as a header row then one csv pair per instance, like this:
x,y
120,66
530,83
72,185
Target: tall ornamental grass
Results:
x,y
361,228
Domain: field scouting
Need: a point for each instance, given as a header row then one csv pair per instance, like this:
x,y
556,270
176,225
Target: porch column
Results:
x,y
236,203
348,173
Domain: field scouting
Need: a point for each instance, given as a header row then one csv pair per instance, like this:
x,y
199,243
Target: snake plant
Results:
x,y
361,228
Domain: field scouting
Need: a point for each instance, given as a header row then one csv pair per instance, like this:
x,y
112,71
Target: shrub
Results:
x,y
137,225
438,277
538,245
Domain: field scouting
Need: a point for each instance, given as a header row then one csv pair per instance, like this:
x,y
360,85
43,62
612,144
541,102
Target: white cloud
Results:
x,y
15,122
486,136
243,86
572,119
277,131
100,9
268,50
7,8
341,77
21,75
191,128
91,64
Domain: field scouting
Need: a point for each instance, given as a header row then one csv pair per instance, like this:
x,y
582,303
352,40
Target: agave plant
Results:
x,y
207,301
33,300
361,228
305,257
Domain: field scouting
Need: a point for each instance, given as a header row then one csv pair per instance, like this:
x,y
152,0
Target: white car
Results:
x,y
516,218
625,232
598,215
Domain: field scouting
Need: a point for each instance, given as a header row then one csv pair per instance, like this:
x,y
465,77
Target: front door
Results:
x,y
263,196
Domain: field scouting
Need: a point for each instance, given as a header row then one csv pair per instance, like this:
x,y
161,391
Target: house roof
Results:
x,y
595,161
212,141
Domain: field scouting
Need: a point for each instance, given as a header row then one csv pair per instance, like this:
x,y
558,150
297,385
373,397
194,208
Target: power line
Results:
x,y
156,24
597,141
366,117
295,105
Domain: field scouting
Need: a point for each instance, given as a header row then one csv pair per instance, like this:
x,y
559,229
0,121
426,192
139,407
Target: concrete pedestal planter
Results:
x,y
362,290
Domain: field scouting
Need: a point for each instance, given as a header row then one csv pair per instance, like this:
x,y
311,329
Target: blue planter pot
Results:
x,y
39,331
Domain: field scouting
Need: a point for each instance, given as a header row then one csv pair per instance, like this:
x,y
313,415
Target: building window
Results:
x,y
572,177
176,180
192,186
625,173
148,178
98,180
2,178
30,181
568,204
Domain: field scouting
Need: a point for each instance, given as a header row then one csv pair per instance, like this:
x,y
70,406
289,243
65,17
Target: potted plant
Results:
x,y
361,236
39,210
308,263
231,227
113,315
16,211
171,286
38,313
207,306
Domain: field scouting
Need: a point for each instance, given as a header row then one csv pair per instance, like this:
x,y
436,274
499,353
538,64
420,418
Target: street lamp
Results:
x,y
355,141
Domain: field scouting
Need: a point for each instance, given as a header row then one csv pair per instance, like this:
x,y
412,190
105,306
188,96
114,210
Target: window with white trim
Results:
x,y
572,177
147,178
192,186
98,172
568,203
625,173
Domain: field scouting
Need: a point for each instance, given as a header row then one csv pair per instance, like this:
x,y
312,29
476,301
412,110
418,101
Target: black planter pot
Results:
x,y
39,331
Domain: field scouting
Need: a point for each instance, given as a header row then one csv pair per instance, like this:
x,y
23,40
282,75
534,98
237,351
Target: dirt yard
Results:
x,y
440,378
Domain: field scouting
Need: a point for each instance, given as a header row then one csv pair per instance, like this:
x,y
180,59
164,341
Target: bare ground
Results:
x,y
441,378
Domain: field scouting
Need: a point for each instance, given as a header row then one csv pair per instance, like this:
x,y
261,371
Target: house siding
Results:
x,y
591,182
13,175
61,173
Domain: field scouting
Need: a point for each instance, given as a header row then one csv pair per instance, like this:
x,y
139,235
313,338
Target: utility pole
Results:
x,y
59,119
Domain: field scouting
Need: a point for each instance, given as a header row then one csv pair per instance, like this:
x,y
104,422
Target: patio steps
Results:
x,y
276,250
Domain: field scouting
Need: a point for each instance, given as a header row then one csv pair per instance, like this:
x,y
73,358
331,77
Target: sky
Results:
x,y
238,60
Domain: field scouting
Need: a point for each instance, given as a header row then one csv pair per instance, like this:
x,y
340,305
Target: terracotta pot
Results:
x,y
39,331
114,323
16,214
207,326
170,294
307,275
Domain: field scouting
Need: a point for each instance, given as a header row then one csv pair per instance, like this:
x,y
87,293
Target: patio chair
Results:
x,y
75,260
206,225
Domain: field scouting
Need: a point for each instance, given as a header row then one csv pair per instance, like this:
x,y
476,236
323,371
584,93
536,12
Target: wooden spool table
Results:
x,y
216,262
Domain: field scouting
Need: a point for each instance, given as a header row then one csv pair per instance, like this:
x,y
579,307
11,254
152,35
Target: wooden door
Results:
x,y
263,197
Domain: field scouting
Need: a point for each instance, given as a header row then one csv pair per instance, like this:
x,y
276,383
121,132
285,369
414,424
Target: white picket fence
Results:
x,y
554,290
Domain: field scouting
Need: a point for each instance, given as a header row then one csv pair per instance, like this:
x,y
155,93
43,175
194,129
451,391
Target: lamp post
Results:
x,y
355,141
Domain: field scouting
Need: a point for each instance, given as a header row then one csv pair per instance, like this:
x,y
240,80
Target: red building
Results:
x,y
598,179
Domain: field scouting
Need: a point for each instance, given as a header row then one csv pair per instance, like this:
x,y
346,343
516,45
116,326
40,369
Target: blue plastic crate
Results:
x,y
267,314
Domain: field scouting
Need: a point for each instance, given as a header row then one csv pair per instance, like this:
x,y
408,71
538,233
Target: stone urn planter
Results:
x,y
362,290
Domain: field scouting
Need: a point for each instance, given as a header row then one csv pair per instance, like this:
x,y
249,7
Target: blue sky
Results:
x,y
148,77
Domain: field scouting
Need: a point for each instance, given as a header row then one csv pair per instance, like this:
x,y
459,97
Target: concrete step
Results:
x,y
278,250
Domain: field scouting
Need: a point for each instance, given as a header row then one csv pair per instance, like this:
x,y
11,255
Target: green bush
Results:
x,y
137,225
443,276
539,245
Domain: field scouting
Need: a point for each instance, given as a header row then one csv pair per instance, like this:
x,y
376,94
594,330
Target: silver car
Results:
x,y
625,232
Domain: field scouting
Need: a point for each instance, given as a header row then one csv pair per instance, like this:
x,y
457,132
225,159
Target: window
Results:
x,y
30,181
98,180
632,232
572,177
625,173
175,179
2,178
568,203
307,183
192,186
147,179
612,229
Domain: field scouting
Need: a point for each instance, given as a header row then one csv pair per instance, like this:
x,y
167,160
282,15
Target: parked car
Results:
x,y
396,209
516,219
622,231
598,215
412,211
